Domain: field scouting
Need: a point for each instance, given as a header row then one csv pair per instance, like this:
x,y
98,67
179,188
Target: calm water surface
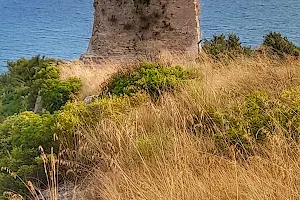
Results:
x,y
55,28
61,28
251,19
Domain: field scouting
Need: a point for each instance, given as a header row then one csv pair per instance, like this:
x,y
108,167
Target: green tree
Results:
x,y
279,45
27,78
20,138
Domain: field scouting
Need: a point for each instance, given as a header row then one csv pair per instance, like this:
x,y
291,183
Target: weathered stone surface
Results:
x,y
65,191
38,105
89,99
143,28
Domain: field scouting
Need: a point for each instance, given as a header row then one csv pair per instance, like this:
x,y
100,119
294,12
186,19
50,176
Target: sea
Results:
x,y
62,28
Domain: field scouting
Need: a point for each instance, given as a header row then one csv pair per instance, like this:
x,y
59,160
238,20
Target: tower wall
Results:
x,y
138,28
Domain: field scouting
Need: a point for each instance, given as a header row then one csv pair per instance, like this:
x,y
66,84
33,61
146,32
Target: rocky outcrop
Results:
x,y
139,28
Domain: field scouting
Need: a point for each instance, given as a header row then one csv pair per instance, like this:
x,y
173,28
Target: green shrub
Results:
x,y
279,45
288,114
228,129
253,121
243,124
77,114
222,48
77,120
56,93
25,79
22,134
257,114
151,78
20,138
21,131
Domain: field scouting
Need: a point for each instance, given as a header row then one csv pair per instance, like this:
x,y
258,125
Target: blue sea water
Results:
x,y
251,19
62,28
55,28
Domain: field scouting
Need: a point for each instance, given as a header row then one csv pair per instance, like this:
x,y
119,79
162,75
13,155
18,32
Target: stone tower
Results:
x,y
139,28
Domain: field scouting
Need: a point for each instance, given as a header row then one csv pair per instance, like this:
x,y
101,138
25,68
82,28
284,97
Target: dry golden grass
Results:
x,y
151,154
159,159
92,75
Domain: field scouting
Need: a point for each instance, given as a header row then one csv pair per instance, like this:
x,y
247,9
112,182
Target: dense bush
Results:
x,y
20,137
75,121
56,93
279,45
22,134
253,121
288,114
26,79
21,131
241,125
148,77
222,48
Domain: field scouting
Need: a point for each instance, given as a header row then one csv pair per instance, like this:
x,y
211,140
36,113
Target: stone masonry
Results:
x,y
143,28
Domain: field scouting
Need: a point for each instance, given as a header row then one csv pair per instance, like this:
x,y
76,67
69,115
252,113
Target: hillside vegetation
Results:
x,y
224,126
